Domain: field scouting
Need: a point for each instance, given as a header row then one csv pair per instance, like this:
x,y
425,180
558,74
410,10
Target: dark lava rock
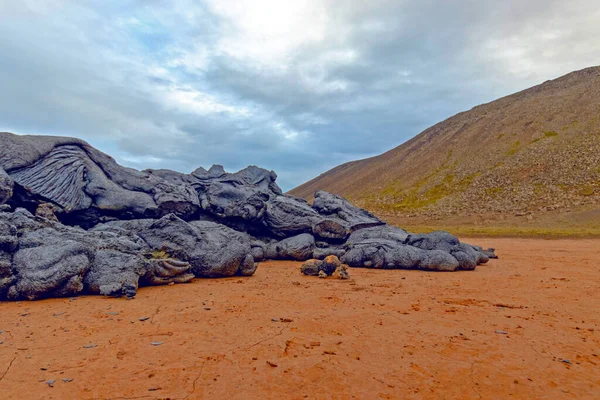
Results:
x,y
213,250
382,232
297,248
287,216
87,183
49,259
468,256
101,228
374,253
341,211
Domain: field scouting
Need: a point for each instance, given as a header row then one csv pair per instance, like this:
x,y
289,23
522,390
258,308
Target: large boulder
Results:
x,y
388,254
241,195
87,184
221,251
468,256
381,232
48,259
213,250
330,230
336,207
299,248
52,269
437,240
288,216
390,247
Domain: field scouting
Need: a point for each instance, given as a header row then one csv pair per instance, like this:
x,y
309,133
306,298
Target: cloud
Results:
x,y
298,87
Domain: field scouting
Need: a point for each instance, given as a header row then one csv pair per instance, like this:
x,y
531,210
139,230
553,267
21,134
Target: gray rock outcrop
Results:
x,y
84,224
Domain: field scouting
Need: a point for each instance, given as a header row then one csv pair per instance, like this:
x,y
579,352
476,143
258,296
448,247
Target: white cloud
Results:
x,y
296,86
267,32
189,100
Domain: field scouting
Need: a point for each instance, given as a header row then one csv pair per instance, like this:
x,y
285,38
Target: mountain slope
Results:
x,y
533,152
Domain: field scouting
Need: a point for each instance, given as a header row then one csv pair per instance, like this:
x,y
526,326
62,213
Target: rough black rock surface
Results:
x,y
299,248
86,185
84,224
49,259
213,250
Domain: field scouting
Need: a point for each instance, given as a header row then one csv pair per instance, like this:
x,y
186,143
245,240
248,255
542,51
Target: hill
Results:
x,y
528,156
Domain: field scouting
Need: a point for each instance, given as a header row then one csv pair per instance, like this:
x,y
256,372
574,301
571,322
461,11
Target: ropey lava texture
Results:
x,y
74,221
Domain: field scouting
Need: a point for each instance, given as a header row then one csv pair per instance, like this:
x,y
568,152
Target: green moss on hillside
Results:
x,y
494,191
514,149
415,198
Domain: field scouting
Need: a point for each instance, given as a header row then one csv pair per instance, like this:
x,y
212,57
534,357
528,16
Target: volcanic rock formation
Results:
x,y
74,221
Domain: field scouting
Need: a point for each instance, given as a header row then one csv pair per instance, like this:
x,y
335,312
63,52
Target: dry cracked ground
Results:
x,y
524,326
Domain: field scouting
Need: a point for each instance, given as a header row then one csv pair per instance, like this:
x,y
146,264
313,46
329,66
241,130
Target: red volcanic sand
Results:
x,y
525,326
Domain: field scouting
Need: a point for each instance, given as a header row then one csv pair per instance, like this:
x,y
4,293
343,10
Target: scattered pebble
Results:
x,y
286,320
57,314
67,380
50,382
207,308
156,343
275,319
565,361
502,332
144,319
153,389
112,313
44,369
272,364
90,346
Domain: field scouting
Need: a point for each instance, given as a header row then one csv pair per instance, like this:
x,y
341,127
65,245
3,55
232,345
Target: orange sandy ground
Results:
x,y
382,334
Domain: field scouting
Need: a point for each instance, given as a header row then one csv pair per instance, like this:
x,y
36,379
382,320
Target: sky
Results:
x,y
296,86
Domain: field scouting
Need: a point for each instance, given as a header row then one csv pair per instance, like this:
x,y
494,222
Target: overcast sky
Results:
x,y
297,86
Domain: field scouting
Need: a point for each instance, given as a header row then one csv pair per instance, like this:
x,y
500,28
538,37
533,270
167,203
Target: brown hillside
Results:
x,y
534,152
